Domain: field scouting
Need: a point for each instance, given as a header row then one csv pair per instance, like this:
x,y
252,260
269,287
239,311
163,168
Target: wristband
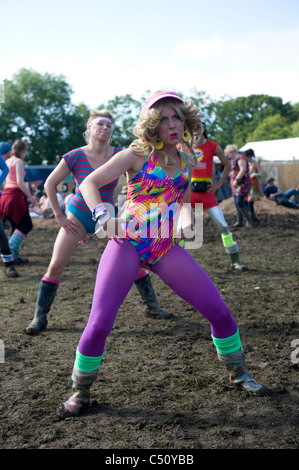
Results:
x,y
98,211
102,222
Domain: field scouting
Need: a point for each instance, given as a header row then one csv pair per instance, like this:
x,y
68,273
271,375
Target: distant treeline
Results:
x,y
39,107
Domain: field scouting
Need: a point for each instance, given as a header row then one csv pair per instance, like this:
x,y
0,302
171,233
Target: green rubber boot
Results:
x,y
46,294
148,297
239,219
236,264
231,248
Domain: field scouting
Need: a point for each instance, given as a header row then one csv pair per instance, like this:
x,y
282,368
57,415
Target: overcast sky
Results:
x,y
108,48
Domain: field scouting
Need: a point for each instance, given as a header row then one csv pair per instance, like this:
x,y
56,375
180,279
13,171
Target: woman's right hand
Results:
x,y
69,225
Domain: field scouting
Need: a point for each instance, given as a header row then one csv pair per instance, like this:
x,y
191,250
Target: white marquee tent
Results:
x,y
281,150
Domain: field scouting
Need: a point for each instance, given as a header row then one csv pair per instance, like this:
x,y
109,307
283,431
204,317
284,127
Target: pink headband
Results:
x,y
159,96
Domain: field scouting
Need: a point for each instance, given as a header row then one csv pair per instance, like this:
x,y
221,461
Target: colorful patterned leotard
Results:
x,y
152,209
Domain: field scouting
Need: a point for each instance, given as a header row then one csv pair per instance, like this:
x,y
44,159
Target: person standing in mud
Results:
x,y
6,254
157,175
203,191
78,221
240,183
14,202
256,192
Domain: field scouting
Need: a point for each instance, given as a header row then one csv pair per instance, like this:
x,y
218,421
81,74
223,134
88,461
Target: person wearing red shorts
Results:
x,y
203,191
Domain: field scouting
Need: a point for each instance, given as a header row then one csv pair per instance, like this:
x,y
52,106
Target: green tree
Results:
x,y
271,128
38,108
295,129
125,111
238,118
75,126
207,109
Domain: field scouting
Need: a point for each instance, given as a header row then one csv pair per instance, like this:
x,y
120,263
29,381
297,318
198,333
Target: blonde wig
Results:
x,y
147,125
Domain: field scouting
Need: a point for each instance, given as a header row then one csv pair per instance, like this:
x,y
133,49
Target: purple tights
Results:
x,y
116,274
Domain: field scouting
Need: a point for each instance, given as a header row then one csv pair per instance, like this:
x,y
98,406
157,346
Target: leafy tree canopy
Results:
x,y
38,108
271,128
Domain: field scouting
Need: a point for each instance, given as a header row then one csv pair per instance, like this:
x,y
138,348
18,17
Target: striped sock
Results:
x,y
15,241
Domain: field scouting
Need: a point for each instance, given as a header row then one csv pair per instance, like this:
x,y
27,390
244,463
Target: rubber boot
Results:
x,y
45,297
239,219
148,297
11,271
246,214
236,264
253,218
239,375
232,250
80,399
8,261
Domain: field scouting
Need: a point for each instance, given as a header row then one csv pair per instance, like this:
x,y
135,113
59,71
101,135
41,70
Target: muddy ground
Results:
x,y
161,385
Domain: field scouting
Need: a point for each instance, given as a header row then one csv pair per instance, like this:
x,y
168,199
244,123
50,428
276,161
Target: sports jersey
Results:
x,y
204,168
203,171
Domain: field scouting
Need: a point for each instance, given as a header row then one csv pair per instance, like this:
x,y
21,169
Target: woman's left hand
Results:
x,y
213,187
186,233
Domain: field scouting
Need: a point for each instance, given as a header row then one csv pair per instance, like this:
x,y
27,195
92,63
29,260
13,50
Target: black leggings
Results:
x,y
4,247
25,225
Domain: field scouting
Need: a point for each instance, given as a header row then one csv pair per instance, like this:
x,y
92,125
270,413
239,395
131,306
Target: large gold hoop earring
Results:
x,y
159,145
186,136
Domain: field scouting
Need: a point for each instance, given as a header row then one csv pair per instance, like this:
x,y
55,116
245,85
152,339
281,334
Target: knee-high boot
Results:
x,y
233,252
82,381
231,248
46,294
148,297
246,214
235,363
239,219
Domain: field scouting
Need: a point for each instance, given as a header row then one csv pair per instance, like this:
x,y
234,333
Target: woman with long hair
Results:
x,y
6,254
15,199
158,189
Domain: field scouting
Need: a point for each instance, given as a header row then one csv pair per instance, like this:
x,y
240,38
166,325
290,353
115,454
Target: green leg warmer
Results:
x,y
228,345
87,363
